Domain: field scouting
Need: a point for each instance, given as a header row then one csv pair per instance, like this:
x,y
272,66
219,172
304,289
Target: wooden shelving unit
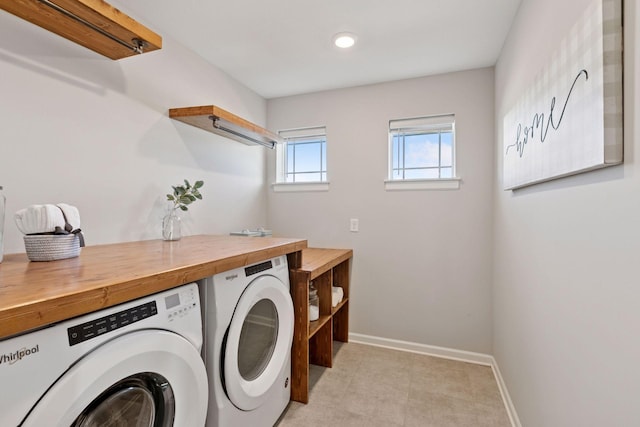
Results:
x,y
313,341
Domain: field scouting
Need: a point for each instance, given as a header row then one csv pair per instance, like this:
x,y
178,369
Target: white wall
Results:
x,y
567,276
79,128
422,259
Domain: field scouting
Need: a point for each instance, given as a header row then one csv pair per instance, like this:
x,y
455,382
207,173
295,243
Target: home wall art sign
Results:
x,y
569,120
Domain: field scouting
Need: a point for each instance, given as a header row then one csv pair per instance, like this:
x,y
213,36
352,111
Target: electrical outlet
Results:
x,y
354,225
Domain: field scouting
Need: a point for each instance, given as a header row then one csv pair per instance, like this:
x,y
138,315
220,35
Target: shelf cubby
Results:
x,y
313,340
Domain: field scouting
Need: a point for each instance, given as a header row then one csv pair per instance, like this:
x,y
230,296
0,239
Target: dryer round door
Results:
x,y
258,342
143,378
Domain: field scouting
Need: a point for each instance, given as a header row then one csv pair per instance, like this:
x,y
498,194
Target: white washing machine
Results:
x,y
248,322
135,364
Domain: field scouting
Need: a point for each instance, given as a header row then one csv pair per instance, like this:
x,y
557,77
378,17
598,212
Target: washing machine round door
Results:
x,y
143,378
258,342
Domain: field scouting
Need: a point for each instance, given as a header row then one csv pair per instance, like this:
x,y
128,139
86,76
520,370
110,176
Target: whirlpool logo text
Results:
x,y
18,355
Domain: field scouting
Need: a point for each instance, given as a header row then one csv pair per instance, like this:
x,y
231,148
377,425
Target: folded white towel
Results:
x,y
39,219
337,294
314,313
71,214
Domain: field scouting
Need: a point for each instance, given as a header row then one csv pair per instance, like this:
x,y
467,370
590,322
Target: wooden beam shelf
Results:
x,y
217,120
93,24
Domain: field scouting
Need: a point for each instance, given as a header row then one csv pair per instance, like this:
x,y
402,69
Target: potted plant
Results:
x,y
182,197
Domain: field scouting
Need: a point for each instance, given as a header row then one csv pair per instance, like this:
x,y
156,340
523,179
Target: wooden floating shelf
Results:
x,y
228,124
93,24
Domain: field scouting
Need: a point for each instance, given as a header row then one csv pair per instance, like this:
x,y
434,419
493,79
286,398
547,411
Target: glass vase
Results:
x,y
171,226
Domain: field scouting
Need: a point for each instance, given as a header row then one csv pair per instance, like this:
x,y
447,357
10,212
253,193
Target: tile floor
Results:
x,y
372,386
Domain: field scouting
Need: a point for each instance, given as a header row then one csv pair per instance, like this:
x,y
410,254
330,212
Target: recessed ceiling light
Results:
x,y
344,40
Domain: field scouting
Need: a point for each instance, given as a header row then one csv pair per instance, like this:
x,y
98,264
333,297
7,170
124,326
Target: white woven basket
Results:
x,y
52,247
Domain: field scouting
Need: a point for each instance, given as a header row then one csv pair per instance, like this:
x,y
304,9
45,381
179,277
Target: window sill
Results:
x,y
291,187
422,184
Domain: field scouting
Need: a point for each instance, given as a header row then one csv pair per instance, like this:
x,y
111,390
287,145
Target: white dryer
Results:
x,y
248,322
135,364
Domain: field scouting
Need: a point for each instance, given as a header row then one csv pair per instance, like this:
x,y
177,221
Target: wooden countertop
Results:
x,y
318,260
35,294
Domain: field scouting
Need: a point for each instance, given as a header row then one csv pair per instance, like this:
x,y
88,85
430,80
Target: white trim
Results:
x,y
506,398
422,184
446,353
305,132
437,122
431,350
290,187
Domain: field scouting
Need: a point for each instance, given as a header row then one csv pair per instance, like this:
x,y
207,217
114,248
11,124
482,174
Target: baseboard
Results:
x,y
431,350
447,353
511,410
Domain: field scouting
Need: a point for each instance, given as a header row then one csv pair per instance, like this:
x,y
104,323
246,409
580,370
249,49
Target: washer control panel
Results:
x,y
170,305
96,327
258,268
181,303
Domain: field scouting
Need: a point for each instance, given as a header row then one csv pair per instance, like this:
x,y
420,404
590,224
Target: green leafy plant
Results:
x,y
184,195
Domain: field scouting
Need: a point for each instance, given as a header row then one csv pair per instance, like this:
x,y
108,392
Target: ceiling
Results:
x,y
284,47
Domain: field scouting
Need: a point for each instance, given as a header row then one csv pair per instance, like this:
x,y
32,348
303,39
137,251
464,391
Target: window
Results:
x,y
305,155
422,149
302,158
